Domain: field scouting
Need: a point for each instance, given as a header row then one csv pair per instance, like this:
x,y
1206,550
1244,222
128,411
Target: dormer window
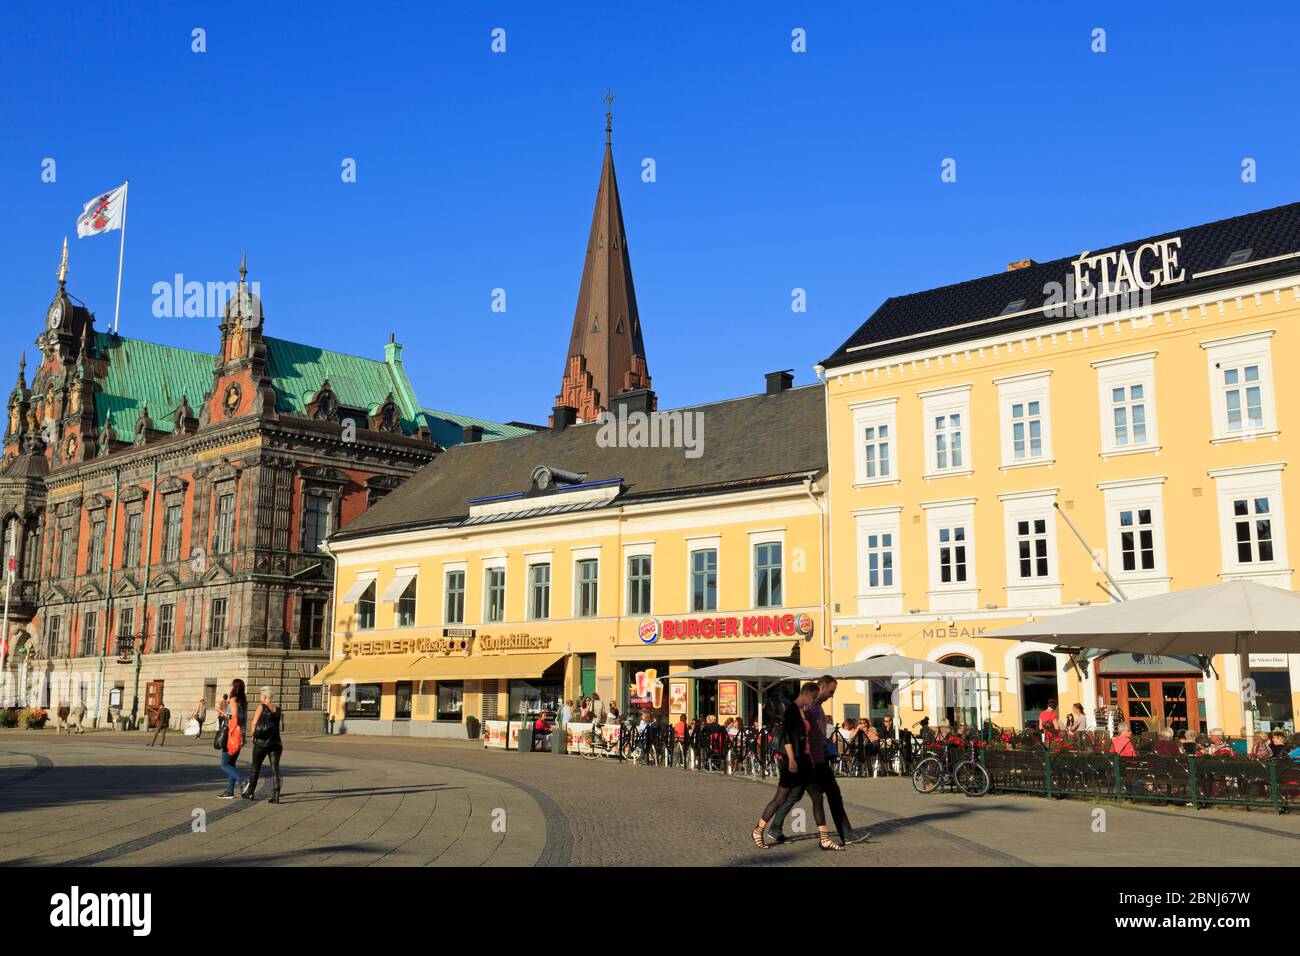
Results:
x,y
1238,257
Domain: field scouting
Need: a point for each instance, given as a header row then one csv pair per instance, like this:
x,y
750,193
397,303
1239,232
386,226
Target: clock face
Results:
x,y
56,315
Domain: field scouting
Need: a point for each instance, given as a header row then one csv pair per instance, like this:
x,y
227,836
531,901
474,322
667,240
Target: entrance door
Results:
x,y
587,670
153,695
1149,703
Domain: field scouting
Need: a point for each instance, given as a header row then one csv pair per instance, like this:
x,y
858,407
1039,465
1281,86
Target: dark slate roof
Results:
x,y
933,314
747,442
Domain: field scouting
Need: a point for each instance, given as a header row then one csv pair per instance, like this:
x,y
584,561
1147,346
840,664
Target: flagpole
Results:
x,y
126,193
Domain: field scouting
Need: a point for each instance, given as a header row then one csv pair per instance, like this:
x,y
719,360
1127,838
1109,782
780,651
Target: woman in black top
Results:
x,y
794,764
266,743
233,714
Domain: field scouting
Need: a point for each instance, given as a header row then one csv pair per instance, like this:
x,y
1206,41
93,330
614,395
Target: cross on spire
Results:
x,y
608,99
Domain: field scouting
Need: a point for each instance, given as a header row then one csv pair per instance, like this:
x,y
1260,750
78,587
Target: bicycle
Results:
x,y
967,775
594,743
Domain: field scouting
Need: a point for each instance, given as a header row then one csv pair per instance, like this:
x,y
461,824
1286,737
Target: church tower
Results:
x,y
606,352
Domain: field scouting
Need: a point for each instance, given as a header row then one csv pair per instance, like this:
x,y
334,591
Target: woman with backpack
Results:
x,y
266,743
230,735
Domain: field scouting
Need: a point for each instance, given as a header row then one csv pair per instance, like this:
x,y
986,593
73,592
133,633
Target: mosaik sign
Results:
x,y
1152,264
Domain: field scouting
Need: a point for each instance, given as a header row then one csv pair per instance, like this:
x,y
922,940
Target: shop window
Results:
x,y
704,579
362,700
451,699
366,608
454,612
531,697
402,701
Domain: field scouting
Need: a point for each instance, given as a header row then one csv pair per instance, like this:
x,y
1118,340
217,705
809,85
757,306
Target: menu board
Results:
x,y
728,698
677,697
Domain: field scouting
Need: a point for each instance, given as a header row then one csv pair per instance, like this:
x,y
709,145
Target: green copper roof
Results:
x,y
148,374
448,428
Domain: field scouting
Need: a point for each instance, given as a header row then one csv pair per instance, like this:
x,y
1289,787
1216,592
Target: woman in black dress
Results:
x,y
794,767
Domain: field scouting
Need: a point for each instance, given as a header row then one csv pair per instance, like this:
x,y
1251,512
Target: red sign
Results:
x,y
756,625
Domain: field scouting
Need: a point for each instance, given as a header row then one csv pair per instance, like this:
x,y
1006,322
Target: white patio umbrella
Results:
x,y
1237,617
893,666
757,673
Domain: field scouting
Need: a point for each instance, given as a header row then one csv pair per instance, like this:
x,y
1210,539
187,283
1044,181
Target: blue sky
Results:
x,y
775,170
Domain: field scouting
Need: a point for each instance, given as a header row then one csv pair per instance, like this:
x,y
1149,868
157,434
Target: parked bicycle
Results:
x,y
943,769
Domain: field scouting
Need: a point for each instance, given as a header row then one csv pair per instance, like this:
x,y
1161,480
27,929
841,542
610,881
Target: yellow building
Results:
x,y
510,576
1134,399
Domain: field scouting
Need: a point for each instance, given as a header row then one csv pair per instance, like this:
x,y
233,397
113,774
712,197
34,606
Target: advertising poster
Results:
x,y
728,698
677,697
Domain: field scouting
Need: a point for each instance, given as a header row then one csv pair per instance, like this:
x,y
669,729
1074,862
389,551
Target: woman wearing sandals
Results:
x,y
266,743
795,769
230,735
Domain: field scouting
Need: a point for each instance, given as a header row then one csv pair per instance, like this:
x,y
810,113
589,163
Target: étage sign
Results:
x,y
1112,273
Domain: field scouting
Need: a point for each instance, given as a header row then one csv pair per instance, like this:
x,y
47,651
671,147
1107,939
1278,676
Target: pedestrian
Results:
x,y
266,744
230,735
61,718
794,776
75,716
566,713
597,709
823,775
162,718
200,715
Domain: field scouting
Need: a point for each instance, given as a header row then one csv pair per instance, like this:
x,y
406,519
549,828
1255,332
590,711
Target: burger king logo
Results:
x,y
804,624
648,630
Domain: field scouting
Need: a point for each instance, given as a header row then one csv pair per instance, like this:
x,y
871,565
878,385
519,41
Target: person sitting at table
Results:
x,y
1295,748
1217,746
1122,743
542,728
887,728
1166,746
1259,747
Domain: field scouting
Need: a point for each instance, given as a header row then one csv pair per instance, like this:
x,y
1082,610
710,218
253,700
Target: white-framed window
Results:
x,y
1252,527
1033,571
880,568
587,582
1024,404
1126,391
539,590
494,593
767,576
453,605
950,533
1135,535
946,413
1241,386
702,573
875,434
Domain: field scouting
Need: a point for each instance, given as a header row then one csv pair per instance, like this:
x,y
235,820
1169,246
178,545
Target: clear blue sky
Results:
x,y
477,170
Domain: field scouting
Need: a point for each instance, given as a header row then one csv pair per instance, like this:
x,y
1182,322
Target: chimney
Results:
x,y
1020,264
473,433
633,400
778,382
562,416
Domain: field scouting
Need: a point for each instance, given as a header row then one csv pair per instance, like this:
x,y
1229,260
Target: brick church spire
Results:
x,y
606,352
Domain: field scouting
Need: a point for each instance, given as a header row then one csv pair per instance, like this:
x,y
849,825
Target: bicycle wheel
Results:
x,y
928,775
972,779
587,746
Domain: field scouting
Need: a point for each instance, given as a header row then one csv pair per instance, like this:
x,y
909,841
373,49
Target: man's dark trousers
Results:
x,y
824,778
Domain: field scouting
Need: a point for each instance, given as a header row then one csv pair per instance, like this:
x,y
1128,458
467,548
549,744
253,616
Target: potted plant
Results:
x,y
472,727
36,719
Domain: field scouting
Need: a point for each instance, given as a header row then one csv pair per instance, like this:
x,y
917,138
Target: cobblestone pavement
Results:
x,y
109,799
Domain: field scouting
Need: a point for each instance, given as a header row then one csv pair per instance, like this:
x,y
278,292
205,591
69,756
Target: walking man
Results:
x,y
823,774
162,718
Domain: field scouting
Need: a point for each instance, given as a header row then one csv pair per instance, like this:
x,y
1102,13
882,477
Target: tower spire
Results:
x,y
63,265
606,351
243,268
22,372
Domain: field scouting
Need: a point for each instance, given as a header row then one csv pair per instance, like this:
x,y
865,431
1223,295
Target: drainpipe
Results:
x,y
144,604
828,566
108,593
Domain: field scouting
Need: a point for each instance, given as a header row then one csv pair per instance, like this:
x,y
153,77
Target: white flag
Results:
x,y
103,213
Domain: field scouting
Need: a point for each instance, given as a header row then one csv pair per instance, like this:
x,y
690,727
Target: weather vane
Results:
x,y
608,100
